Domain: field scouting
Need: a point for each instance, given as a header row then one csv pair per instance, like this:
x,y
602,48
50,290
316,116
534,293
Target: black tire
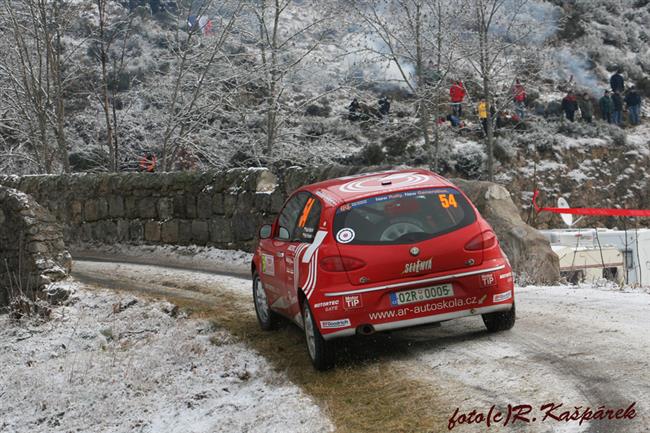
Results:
x,y
500,321
320,352
267,318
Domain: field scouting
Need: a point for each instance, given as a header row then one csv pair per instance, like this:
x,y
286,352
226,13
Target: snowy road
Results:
x,y
582,347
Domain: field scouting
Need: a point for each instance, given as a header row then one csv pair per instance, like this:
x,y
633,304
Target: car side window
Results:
x,y
289,216
308,221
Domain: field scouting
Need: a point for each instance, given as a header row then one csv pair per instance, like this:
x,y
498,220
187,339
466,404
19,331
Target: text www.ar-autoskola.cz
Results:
x,y
548,412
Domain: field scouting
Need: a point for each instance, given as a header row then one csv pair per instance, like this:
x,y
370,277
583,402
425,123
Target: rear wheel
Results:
x,y
320,351
265,316
500,320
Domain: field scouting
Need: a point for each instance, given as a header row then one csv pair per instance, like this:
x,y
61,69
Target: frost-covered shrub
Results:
x,y
318,110
372,154
470,159
578,129
619,138
504,150
397,142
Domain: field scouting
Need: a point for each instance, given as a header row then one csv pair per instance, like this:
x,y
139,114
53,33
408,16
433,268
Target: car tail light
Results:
x,y
485,240
341,264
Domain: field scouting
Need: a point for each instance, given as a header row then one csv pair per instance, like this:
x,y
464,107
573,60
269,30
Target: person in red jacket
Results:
x,y
519,97
148,162
457,95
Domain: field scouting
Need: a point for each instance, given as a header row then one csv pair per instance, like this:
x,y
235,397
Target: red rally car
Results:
x,y
376,252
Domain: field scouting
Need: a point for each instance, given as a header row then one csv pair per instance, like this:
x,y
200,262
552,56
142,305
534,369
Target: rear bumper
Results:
x,y
341,311
401,324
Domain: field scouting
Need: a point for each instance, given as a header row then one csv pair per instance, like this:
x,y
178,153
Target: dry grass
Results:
x,y
360,395
367,392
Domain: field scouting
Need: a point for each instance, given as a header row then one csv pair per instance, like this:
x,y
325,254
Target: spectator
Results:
x,y
570,106
606,106
633,102
586,107
617,109
148,162
519,97
454,121
353,110
617,82
482,109
384,106
457,95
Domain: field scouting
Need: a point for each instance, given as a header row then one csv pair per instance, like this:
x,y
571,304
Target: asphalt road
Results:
x,y
580,348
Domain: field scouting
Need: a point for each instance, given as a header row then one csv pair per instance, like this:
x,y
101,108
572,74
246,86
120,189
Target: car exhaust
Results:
x,y
365,330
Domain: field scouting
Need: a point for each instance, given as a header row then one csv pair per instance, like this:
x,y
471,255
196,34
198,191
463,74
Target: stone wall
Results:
x,y
32,250
221,209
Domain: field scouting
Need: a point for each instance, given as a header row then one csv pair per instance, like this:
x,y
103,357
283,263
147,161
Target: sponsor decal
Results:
x,y
268,265
426,308
506,275
334,324
326,197
345,236
487,280
352,302
326,304
418,266
500,297
296,265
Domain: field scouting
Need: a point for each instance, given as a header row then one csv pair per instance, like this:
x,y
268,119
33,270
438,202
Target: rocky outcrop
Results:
x,y
32,251
527,249
225,209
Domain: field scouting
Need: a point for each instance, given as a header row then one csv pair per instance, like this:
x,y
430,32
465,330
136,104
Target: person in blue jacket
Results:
x,y
617,82
633,102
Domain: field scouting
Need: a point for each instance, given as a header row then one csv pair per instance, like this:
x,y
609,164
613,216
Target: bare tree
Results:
x,y
36,71
110,40
196,52
280,59
494,32
411,36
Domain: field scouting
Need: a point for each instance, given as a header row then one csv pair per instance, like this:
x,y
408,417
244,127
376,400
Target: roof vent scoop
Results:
x,y
386,182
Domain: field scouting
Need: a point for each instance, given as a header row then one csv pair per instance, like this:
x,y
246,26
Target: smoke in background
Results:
x,y
372,64
534,21
570,64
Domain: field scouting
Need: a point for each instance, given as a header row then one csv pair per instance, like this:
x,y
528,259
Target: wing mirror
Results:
x,y
266,231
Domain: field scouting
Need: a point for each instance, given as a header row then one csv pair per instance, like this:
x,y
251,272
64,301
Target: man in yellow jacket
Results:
x,y
482,109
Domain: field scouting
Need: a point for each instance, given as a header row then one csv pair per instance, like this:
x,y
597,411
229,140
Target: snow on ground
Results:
x,y
116,363
575,345
197,257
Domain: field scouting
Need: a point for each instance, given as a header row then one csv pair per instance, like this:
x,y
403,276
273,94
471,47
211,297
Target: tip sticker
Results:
x,y
345,236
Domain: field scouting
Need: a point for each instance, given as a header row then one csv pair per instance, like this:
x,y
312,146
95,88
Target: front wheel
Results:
x,y
267,318
500,320
320,351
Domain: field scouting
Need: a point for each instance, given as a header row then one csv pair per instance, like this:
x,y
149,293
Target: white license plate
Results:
x,y
422,294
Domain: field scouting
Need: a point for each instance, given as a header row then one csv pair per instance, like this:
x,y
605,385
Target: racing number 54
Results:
x,y
447,200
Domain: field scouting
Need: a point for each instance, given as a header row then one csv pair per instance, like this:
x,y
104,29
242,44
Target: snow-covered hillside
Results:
x,y
201,98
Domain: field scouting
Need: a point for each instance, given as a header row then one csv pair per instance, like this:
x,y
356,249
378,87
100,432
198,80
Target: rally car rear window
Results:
x,y
402,217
